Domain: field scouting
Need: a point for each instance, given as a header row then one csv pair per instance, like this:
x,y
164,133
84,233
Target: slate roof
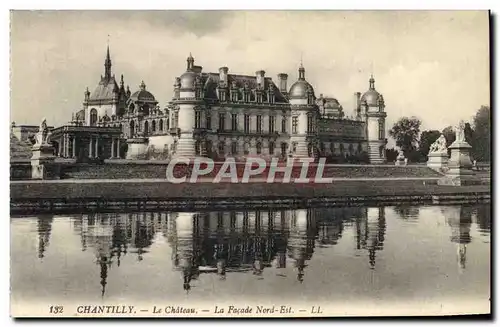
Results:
x,y
211,81
104,90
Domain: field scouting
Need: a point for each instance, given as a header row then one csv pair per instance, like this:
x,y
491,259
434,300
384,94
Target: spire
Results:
x,y
190,62
302,71
107,64
372,83
122,83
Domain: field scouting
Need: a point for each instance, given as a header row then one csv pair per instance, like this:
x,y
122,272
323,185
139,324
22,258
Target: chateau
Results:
x,y
220,115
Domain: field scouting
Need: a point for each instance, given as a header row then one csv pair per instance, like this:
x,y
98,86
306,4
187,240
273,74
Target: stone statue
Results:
x,y
42,137
460,132
439,146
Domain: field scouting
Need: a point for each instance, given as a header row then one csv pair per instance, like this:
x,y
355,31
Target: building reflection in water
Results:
x,y
370,232
227,242
44,228
459,218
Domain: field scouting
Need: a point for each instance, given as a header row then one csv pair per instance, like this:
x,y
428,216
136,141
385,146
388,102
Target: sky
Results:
x,y
430,64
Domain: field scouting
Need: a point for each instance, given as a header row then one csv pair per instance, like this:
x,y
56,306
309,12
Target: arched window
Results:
x,y
310,150
93,117
153,126
121,127
132,128
146,127
360,148
160,125
341,148
258,147
351,149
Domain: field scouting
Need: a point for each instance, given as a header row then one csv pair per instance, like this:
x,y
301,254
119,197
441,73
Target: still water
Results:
x,y
438,254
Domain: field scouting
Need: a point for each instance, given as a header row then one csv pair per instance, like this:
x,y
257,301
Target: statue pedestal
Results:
x,y
42,163
400,160
459,166
437,160
137,148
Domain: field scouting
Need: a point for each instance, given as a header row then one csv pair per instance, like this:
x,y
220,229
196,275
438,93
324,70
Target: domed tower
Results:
x,y
372,111
185,249
460,220
304,117
186,102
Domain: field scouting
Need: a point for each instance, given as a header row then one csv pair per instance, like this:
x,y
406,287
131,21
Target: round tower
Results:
x,y
304,117
186,104
372,110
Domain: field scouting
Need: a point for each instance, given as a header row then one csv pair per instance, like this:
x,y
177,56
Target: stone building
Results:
x,y
220,115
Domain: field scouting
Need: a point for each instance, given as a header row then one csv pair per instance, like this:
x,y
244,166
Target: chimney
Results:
x,y
283,79
223,74
260,77
356,104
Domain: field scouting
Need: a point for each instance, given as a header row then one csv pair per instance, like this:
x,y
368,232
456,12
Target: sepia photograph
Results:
x,y
250,163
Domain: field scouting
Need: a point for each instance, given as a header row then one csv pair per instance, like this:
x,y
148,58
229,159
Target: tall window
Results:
x,y
175,119
208,120
197,119
93,117
146,127
259,124
222,121
132,128
197,147
160,125
295,125
381,130
271,147
247,123
221,147
310,124
234,122
153,126
258,147
283,125
272,120
283,148
234,148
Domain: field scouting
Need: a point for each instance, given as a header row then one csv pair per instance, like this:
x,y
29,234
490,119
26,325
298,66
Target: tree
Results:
x,y
481,143
426,140
405,131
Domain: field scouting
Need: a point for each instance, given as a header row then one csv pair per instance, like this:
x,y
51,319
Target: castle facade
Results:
x,y
221,115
